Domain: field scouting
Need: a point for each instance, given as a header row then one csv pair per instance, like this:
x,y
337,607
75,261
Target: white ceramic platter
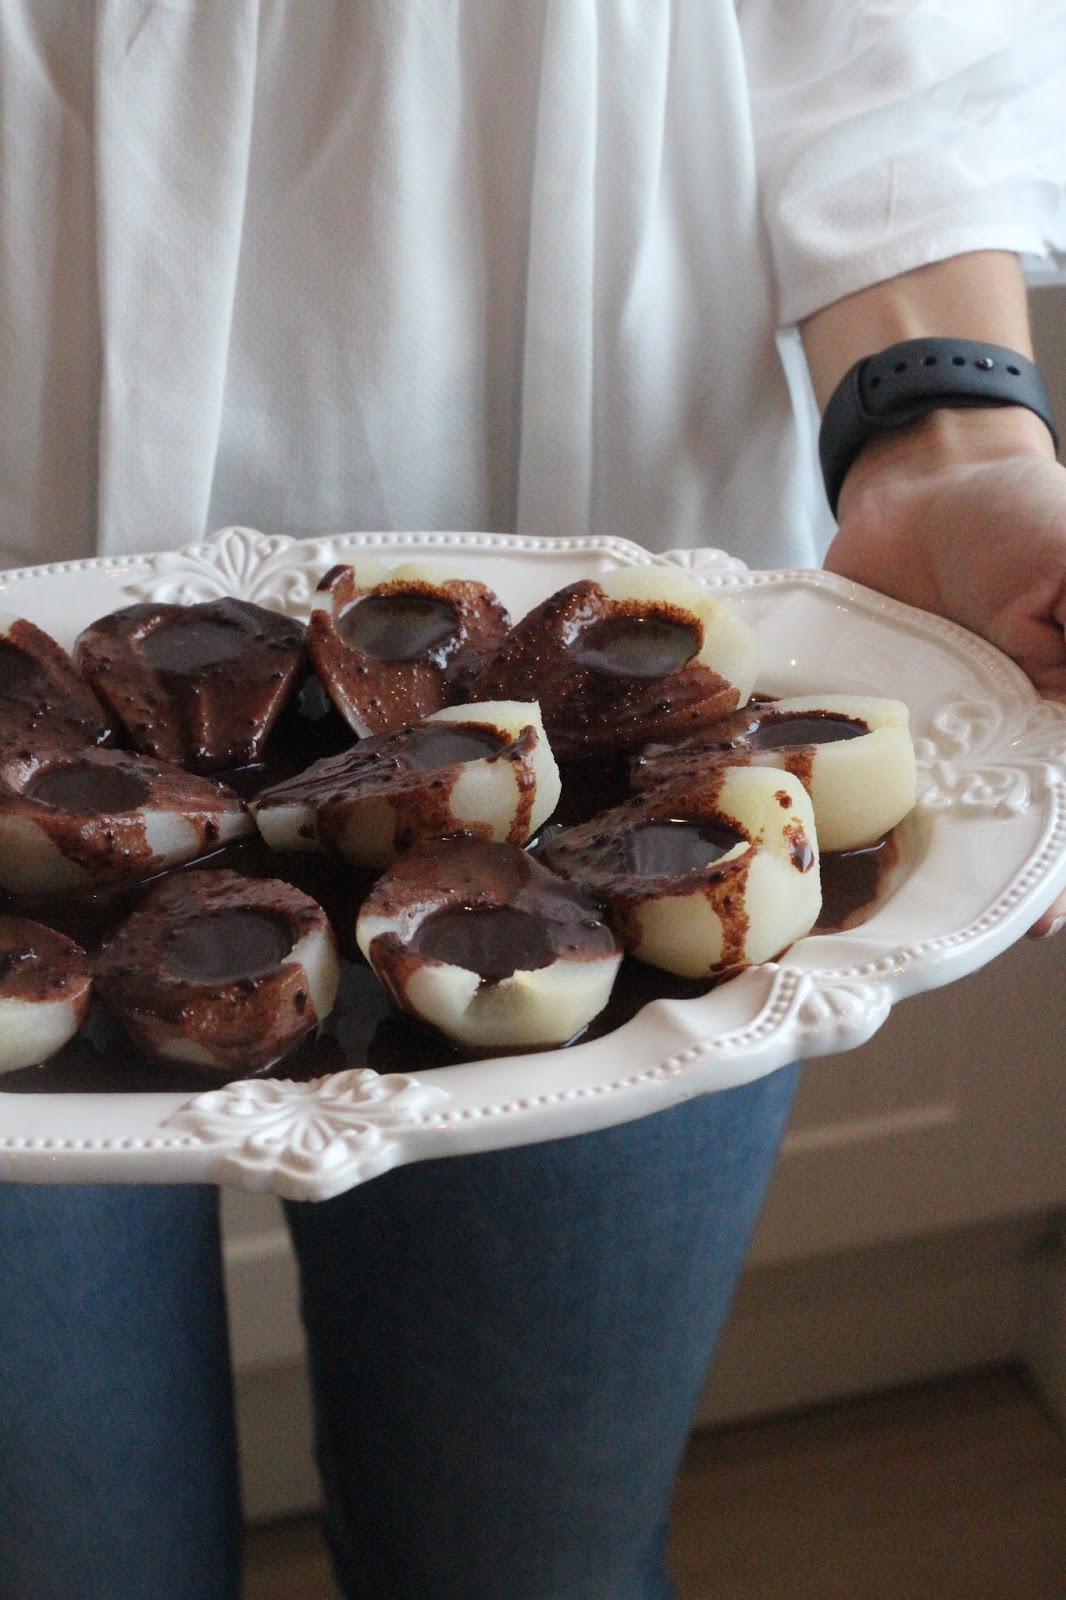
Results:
x,y
982,856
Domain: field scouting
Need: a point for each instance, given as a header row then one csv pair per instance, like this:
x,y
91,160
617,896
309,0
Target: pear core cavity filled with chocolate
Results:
x,y
224,946
675,845
220,970
45,989
400,627
200,686
391,646
484,943
617,661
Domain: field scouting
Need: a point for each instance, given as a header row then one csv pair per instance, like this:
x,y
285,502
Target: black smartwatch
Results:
x,y
907,381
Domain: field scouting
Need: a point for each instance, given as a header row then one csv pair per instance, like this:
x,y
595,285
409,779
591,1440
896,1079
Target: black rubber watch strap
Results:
x,y
907,381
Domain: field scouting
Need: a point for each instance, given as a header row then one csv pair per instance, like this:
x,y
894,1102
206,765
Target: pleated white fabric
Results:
x,y
511,264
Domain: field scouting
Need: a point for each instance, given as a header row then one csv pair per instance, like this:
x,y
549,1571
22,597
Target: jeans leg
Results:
x,y
117,1458
507,1349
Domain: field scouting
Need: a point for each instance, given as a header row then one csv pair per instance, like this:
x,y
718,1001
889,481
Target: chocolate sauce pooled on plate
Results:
x,y
200,686
392,654
365,1029
593,665
43,699
854,882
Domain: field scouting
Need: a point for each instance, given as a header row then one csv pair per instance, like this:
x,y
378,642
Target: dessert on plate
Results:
x,y
392,645
853,754
45,989
71,821
220,970
634,655
703,875
485,769
486,944
515,824
200,685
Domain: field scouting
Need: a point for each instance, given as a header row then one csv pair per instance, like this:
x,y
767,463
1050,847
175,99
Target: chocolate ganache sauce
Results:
x,y
400,627
758,727
365,1028
42,696
416,769
636,646
77,786
200,686
672,845
494,941
225,946
608,675
496,910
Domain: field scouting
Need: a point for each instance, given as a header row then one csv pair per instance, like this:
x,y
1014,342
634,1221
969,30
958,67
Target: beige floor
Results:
x,y
951,1492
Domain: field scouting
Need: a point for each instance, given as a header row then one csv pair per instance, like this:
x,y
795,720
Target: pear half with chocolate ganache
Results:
x,y
45,989
853,754
200,685
483,769
43,698
636,654
392,645
220,970
489,947
74,821
705,875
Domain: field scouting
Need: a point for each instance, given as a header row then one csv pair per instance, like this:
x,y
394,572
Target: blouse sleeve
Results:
x,y
893,133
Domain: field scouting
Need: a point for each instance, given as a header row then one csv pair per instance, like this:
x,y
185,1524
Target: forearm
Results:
x,y
978,296
962,512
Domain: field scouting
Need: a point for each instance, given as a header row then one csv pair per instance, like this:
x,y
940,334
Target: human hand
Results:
x,y
964,514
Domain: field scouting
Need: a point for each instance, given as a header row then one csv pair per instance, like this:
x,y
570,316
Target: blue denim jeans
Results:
x,y
117,1459
506,1350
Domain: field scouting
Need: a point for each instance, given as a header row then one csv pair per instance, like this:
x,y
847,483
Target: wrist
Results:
x,y
943,441
886,394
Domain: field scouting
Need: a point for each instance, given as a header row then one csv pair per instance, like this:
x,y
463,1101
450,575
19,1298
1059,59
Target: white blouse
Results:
x,y
508,264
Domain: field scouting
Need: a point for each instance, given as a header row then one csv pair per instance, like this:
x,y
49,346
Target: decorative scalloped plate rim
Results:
x,y
982,856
